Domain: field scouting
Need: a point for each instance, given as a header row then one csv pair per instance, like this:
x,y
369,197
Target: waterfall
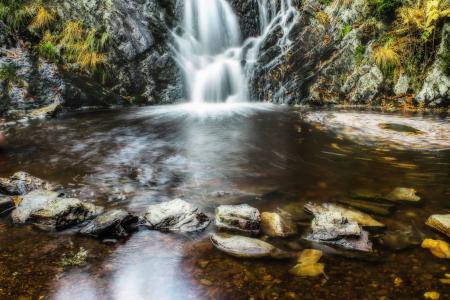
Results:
x,y
216,63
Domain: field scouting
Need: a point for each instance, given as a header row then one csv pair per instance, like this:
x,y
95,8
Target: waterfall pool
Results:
x,y
267,156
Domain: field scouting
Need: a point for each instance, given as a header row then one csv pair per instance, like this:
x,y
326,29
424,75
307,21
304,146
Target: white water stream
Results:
x,y
217,64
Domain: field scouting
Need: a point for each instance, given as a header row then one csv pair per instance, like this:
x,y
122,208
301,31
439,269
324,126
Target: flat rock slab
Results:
x,y
22,183
116,223
440,223
241,218
277,225
176,215
245,247
51,212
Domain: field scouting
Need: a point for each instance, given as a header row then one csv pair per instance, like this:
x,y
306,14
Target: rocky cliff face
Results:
x,y
330,61
139,53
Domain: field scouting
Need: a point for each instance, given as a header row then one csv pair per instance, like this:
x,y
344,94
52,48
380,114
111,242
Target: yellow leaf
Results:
x,y
438,248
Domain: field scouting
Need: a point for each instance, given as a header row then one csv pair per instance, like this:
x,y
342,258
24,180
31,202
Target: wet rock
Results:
x,y
6,204
21,183
277,225
308,265
438,248
400,238
176,215
242,218
381,209
440,223
331,225
365,195
402,194
358,243
240,246
361,218
51,212
114,223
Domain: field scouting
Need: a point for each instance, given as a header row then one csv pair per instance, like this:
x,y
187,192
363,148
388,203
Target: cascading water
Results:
x,y
216,64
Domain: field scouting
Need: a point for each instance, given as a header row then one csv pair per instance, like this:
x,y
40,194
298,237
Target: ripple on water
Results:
x,y
399,132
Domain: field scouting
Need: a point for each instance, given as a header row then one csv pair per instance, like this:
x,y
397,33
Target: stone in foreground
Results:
x,y
331,225
51,212
277,225
176,215
359,217
440,223
402,194
308,265
241,246
438,248
115,223
21,183
241,218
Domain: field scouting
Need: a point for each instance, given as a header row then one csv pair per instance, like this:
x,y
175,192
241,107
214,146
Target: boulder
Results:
x,y
241,246
21,183
115,223
241,218
440,223
50,212
277,225
176,215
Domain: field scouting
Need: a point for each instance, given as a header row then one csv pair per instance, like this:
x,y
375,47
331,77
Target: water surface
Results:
x,y
267,156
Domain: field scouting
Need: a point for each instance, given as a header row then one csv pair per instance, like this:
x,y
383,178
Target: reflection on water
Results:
x,y
263,155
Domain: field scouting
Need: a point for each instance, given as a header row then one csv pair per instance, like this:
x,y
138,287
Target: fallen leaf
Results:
x,y
438,248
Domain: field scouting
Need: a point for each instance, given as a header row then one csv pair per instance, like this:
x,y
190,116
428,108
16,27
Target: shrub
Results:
x,y
385,9
15,14
323,18
8,72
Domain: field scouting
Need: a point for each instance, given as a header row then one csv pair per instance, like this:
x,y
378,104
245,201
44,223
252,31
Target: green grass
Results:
x,y
8,72
359,53
345,30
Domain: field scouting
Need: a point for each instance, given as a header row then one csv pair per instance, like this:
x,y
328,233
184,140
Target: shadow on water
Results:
x,y
267,156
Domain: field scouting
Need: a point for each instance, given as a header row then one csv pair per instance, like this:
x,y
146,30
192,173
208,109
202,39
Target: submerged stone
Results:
x,y
277,225
114,223
242,218
241,246
308,265
49,211
21,183
440,223
401,238
365,195
359,217
176,215
381,209
438,248
402,194
358,243
400,128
